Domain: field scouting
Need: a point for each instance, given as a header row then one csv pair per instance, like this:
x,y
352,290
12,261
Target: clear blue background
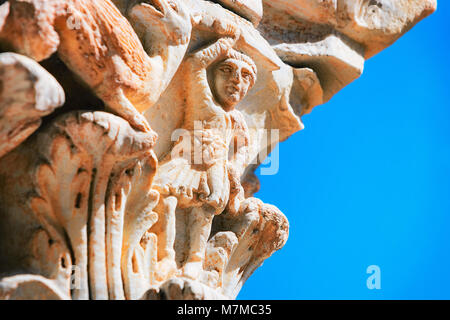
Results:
x,y
367,182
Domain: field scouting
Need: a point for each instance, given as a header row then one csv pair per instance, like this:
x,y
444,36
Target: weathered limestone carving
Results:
x,y
99,45
375,24
30,287
334,37
82,198
252,10
154,199
195,175
27,93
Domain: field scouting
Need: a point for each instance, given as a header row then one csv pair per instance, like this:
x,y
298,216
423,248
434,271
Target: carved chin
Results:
x,y
235,98
231,100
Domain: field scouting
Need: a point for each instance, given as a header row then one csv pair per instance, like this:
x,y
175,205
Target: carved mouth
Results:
x,y
231,90
155,6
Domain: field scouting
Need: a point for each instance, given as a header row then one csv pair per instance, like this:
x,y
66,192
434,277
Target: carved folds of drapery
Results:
x,y
89,205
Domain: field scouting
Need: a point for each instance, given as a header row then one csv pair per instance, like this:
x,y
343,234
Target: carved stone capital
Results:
x,y
141,185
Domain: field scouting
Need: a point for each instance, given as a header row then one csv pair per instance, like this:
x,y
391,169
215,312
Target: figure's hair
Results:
x,y
233,54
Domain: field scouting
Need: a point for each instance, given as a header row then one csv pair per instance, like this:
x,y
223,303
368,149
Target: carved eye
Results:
x,y
246,75
173,5
226,69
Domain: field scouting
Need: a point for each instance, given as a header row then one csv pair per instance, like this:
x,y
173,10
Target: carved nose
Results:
x,y
235,78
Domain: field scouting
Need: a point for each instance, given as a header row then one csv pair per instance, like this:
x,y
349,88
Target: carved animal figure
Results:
x,y
100,46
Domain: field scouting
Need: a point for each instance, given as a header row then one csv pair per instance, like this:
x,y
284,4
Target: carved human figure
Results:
x,y
212,151
100,46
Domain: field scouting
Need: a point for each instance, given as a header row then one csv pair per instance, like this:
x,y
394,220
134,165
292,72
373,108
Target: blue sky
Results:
x,y
367,182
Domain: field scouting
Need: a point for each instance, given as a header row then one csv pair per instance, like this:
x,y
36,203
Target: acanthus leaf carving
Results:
x,y
88,166
27,94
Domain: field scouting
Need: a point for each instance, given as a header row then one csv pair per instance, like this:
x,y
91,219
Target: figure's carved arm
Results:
x,y
239,154
237,161
164,28
205,57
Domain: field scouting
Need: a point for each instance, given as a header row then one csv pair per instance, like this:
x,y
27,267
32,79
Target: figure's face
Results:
x,y
232,80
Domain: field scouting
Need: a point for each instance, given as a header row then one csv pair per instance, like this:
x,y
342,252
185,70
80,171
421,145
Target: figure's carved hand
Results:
x,y
171,17
217,198
226,43
226,29
222,27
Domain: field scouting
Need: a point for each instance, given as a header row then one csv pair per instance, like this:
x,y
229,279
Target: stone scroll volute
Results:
x,y
130,132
